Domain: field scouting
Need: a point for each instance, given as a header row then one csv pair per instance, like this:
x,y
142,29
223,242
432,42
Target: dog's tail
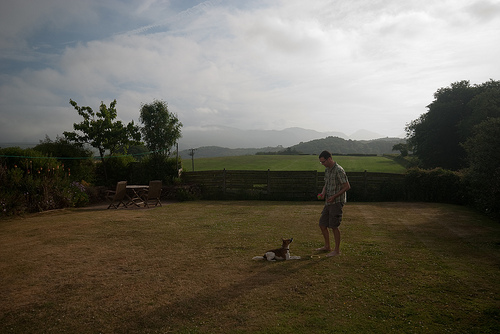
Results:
x,y
258,258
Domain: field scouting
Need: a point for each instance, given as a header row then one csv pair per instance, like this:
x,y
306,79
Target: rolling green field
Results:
x,y
293,163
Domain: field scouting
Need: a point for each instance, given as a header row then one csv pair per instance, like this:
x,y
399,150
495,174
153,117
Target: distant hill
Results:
x,y
22,145
362,135
332,144
342,146
224,136
216,151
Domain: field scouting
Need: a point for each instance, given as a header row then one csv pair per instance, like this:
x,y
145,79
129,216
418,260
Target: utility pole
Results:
x,y
177,156
192,157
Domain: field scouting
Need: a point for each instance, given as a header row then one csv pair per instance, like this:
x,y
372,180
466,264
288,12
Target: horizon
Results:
x,y
363,133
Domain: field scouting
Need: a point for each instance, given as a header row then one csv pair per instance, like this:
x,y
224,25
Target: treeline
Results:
x,y
287,151
461,132
342,146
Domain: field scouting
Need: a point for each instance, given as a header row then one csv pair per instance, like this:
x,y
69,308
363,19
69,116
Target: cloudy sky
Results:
x,y
327,65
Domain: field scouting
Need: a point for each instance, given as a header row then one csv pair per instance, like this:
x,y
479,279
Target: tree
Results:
x,y
102,131
137,151
483,174
436,137
161,128
402,148
485,105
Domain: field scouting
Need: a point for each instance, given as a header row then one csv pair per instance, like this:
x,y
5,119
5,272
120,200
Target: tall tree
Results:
x,y
436,136
102,131
484,105
161,129
483,174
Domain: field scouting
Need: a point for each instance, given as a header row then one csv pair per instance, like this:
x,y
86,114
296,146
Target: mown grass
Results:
x,y
187,268
294,163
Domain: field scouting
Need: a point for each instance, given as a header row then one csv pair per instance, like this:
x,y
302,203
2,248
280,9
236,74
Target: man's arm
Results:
x,y
346,186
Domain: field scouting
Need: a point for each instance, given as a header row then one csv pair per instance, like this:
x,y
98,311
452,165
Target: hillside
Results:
x,y
338,145
224,136
333,144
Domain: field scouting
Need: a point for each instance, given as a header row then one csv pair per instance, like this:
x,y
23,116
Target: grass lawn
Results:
x,y
187,268
293,163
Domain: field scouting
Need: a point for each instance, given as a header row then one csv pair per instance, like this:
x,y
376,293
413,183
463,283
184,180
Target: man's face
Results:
x,y
327,163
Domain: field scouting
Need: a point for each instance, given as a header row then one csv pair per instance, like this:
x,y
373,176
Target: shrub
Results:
x,y
154,167
117,169
77,194
75,158
32,182
436,185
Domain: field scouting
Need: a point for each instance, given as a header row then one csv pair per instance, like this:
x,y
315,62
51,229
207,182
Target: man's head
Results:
x,y
325,158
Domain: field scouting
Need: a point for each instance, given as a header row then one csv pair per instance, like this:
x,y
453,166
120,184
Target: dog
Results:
x,y
282,253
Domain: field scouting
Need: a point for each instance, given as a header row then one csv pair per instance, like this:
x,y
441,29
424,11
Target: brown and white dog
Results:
x,y
282,253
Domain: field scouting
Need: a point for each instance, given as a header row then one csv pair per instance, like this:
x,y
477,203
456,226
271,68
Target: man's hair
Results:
x,y
325,155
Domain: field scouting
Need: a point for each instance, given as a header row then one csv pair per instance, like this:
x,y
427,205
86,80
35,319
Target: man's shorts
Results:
x,y
331,216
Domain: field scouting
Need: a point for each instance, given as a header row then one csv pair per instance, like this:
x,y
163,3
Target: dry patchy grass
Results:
x,y
187,268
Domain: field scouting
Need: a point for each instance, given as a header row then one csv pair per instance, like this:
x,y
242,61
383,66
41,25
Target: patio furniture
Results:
x,y
118,195
135,194
152,196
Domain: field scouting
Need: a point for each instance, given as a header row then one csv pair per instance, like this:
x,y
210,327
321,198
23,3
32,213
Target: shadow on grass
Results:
x,y
189,312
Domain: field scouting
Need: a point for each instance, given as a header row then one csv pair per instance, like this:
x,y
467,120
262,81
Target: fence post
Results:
x,y
268,183
224,182
315,189
365,185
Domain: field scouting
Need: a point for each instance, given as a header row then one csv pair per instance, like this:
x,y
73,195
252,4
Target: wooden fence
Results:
x,y
292,185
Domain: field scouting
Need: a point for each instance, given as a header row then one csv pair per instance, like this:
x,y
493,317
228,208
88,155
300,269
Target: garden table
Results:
x,y
135,191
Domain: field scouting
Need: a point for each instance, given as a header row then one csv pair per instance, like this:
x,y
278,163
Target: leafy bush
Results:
x,y
186,193
77,194
32,182
76,158
436,185
127,168
116,168
154,167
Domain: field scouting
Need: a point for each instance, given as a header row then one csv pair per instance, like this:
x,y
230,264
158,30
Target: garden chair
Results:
x,y
152,196
118,195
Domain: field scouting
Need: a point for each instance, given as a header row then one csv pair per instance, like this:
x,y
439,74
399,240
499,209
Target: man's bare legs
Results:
x,y
326,236
336,236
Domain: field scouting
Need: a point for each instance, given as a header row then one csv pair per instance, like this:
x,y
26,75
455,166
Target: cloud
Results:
x,y
207,111
326,66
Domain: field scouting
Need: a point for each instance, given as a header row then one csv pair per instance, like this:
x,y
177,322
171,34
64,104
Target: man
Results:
x,y
334,193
